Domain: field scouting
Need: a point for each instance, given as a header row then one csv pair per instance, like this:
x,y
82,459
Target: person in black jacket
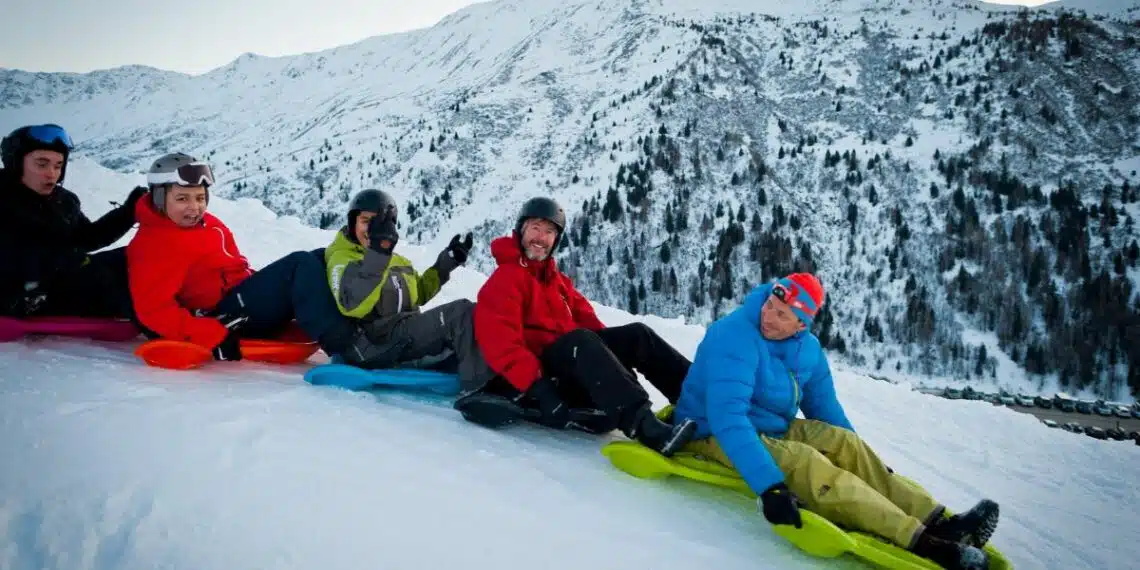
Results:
x,y
45,239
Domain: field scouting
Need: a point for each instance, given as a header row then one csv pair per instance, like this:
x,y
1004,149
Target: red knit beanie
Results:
x,y
804,294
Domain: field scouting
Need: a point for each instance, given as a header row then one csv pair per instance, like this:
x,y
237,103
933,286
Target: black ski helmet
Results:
x,y
24,140
375,201
546,209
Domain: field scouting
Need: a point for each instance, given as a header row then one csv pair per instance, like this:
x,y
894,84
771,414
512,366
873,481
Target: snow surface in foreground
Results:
x,y
109,464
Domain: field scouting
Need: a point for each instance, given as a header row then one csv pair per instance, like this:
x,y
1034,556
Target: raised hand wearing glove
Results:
x,y
382,234
781,506
458,250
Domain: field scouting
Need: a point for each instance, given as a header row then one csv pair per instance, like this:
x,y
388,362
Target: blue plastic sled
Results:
x,y
353,378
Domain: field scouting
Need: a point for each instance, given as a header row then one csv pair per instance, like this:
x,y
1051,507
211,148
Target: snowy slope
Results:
x,y
111,465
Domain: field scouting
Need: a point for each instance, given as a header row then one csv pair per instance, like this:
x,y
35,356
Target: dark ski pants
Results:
x,y
97,289
595,368
293,287
441,338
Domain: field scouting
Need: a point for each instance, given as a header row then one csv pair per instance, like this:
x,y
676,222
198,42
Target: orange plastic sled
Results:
x,y
290,348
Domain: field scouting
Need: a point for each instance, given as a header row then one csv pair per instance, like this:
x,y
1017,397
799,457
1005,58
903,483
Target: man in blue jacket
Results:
x,y
753,371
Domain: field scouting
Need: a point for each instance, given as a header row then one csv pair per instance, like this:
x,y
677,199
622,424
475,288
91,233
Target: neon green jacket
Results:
x,y
369,285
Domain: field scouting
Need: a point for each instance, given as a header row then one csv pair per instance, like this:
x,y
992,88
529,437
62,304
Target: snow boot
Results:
x,y
666,439
950,555
973,527
489,410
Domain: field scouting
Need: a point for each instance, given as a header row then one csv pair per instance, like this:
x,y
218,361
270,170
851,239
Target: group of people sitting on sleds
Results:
x,y
531,340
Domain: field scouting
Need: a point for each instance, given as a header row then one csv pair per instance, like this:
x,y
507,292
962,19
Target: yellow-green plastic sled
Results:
x,y
818,536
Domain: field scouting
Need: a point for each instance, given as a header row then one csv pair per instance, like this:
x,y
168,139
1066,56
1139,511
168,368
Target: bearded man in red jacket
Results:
x,y
545,341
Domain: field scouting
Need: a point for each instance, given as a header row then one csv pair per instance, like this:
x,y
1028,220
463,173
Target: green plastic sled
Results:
x,y
818,537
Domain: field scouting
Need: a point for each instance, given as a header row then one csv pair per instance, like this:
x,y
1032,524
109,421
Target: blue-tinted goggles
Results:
x,y
50,134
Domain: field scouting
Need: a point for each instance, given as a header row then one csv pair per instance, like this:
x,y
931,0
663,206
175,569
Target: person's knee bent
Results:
x,y
302,258
463,306
580,335
306,264
459,309
804,458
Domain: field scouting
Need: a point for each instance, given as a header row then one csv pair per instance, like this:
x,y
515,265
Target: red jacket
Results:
x,y
174,270
522,308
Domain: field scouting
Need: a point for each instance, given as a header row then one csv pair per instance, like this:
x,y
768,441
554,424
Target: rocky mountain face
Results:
x,y
961,176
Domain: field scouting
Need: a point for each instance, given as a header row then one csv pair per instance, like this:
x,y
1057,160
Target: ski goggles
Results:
x,y
193,174
790,298
50,135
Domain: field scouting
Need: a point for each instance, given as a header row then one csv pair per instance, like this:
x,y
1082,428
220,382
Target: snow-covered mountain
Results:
x,y
110,465
961,175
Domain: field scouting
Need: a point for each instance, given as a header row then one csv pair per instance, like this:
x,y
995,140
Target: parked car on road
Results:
x,y
1084,407
1041,402
1117,434
1073,427
1096,432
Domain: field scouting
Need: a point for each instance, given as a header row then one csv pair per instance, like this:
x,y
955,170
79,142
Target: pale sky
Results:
x,y
195,37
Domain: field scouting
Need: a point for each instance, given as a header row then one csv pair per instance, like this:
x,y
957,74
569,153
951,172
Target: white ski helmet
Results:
x,y
176,169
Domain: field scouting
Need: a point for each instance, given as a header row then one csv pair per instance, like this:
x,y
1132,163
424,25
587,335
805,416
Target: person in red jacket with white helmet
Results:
x,y
189,281
543,338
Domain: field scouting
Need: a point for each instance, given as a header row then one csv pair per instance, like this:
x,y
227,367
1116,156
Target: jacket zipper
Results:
x,y
399,294
795,393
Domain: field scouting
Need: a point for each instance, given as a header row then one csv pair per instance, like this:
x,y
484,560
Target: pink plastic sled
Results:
x,y
113,330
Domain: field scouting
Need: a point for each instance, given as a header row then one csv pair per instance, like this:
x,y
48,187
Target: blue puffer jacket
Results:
x,y
742,384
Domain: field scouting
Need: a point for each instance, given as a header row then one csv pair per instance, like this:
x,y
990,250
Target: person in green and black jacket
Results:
x,y
372,283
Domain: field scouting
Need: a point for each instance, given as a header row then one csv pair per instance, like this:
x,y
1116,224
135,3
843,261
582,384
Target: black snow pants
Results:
x,y
595,369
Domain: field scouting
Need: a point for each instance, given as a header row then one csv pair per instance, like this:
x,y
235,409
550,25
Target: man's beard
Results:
x,y
536,256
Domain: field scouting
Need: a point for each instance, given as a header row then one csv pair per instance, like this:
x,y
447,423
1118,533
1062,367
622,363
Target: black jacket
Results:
x,y
47,237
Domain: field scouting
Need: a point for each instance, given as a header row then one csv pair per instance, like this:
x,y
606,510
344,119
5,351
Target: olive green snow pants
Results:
x,y
838,476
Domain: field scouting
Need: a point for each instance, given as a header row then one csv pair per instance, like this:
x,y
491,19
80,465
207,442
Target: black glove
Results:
x,y
26,304
458,250
555,413
381,230
781,506
230,347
